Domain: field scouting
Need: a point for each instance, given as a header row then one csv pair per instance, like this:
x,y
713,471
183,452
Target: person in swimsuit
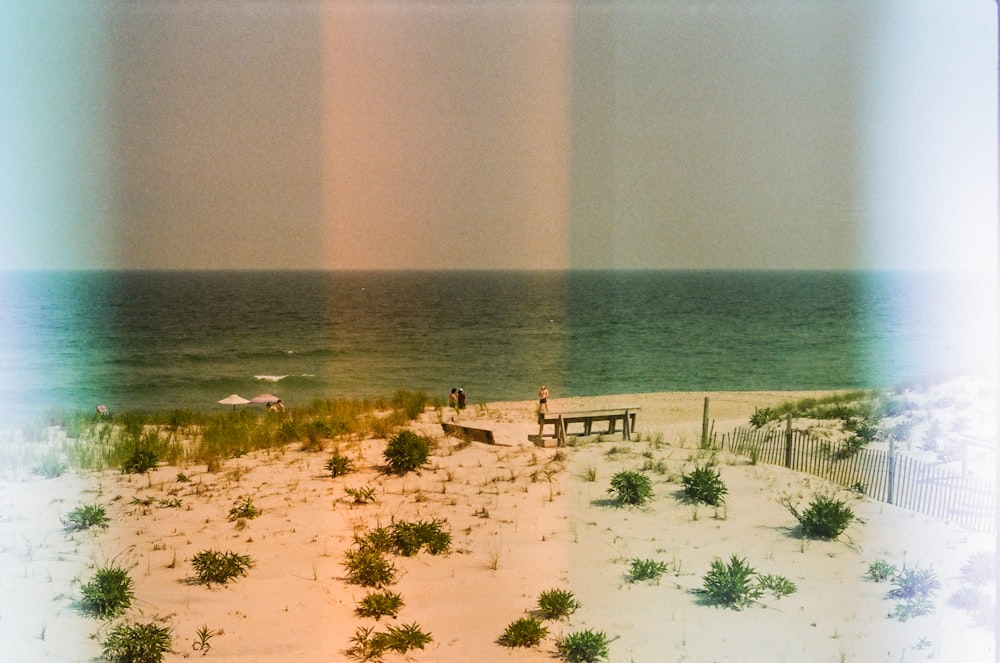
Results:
x,y
543,399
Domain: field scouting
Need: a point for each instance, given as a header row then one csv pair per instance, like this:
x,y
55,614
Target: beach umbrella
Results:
x,y
234,400
264,399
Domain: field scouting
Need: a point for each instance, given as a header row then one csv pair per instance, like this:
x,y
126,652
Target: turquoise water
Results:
x,y
163,340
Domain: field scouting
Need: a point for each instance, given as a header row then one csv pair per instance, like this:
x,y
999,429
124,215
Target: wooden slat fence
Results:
x,y
907,482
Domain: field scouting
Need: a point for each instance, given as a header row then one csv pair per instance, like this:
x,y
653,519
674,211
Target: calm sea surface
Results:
x,y
164,340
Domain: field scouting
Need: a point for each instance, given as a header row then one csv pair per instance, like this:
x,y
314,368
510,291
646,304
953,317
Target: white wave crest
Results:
x,y
270,378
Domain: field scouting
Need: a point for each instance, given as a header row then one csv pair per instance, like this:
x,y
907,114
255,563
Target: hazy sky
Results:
x,y
306,134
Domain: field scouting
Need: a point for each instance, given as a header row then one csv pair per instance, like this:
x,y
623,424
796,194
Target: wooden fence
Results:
x,y
889,477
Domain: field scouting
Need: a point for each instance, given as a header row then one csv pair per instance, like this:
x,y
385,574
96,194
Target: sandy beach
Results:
x,y
523,520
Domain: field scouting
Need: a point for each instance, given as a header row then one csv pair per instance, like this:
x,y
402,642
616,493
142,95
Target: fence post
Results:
x,y
892,468
788,440
704,425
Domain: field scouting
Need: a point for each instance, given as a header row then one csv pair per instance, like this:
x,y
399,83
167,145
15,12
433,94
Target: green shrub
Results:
x,y
108,593
84,517
366,644
369,568
407,538
137,643
913,589
586,646
645,569
406,637
369,645
140,462
881,570
778,585
631,488
557,603
732,585
406,451
362,495
761,416
524,632
703,484
850,448
824,518
244,510
339,464
864,429
380,604
315,432
219,567
288,431
378,540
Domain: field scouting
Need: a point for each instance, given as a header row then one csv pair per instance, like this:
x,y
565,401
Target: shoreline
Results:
x,y
523,520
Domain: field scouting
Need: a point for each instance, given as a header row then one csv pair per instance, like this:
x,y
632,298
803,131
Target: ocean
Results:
x,y
167,340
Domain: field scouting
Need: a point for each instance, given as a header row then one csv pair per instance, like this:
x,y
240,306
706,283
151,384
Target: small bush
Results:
x,y
366,644
645,569
778,585
244,510
703,484
406,637
761,416
525,632
108,594
631,488
406,451
850,448
362,495
913,589
408,538
881,570
824,518
219,567
732,585
339,464
369,568
140,462
979,569
315,432
50,467
137,643
378,540
978,604
970,599
84,517
380,604
369,645
586,646
557,603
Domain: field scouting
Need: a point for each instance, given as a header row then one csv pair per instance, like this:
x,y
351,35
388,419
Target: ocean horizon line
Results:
x,y
503,270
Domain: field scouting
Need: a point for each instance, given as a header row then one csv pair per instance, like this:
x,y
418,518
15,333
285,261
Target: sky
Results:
x,y
727,134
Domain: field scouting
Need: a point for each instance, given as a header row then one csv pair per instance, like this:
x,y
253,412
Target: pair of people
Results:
x,y
457,399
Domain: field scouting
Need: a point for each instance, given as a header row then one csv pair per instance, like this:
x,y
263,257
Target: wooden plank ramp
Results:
x,y
469,434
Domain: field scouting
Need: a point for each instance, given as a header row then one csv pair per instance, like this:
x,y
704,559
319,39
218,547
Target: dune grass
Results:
x,y
176,437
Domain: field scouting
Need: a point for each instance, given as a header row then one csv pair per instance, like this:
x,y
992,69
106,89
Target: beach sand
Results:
x,y
523,520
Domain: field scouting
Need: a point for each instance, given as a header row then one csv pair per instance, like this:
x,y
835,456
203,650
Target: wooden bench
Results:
x,y
468,433
561,422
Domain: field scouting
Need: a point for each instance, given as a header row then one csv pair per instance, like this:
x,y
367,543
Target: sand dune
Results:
x,y
523,520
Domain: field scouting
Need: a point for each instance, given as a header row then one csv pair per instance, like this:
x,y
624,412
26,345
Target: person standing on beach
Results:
x,y
543,399
453,398
461,399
